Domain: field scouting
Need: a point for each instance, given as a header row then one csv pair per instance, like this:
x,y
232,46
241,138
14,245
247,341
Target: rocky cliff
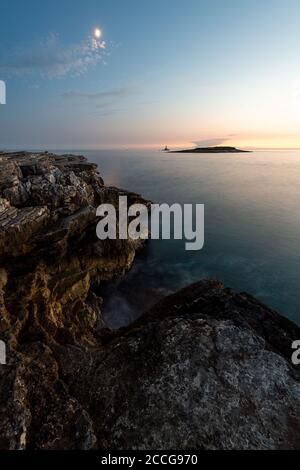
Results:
x,y
205,368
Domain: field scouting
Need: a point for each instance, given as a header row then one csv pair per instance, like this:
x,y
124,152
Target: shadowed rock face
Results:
x,y
205,368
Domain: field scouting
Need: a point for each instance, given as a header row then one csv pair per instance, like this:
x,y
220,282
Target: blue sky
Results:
x,y
168,71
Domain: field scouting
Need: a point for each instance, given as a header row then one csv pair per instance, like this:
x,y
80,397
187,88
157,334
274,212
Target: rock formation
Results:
x,y
205,368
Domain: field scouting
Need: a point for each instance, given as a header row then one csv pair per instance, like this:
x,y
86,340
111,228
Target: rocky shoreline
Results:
x,y
205,368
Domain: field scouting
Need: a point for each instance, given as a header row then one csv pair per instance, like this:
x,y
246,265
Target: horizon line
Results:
x,y
45,147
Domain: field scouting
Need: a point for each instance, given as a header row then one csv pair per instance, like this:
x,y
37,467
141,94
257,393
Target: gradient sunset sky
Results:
x,y
206,72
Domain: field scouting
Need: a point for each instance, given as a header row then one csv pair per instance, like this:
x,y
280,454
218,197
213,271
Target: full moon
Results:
x,y
97,33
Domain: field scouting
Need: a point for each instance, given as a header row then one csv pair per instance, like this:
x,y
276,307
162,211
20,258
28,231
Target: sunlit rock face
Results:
x,y
50,255
205,368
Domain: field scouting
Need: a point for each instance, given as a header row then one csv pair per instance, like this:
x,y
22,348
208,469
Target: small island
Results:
x,y
218,149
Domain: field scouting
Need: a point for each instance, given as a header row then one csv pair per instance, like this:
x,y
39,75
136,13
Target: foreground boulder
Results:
x,y
205,368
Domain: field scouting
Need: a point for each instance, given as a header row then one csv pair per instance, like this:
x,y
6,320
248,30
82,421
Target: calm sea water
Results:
x,y
252,225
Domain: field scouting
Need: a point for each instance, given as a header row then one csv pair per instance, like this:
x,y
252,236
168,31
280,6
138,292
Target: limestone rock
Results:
x,y
205,369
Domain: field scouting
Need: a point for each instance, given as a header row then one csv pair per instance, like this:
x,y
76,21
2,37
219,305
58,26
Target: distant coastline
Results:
x,y
218,149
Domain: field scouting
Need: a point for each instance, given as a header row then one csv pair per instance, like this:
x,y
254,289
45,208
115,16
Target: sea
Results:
x,y
252,226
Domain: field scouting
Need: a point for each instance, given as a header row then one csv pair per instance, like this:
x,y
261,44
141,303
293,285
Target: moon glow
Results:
x,y
97,33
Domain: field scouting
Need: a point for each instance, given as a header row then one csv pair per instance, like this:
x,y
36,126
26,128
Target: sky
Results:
x,y
181,73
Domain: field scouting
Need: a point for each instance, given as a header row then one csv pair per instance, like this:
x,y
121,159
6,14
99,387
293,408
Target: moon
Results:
x,y
97,33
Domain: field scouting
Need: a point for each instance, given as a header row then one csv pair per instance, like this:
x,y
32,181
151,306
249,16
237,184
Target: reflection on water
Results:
x,y
252,225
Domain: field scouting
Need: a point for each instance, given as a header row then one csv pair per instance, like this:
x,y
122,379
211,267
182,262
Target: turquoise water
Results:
x,y
252,225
